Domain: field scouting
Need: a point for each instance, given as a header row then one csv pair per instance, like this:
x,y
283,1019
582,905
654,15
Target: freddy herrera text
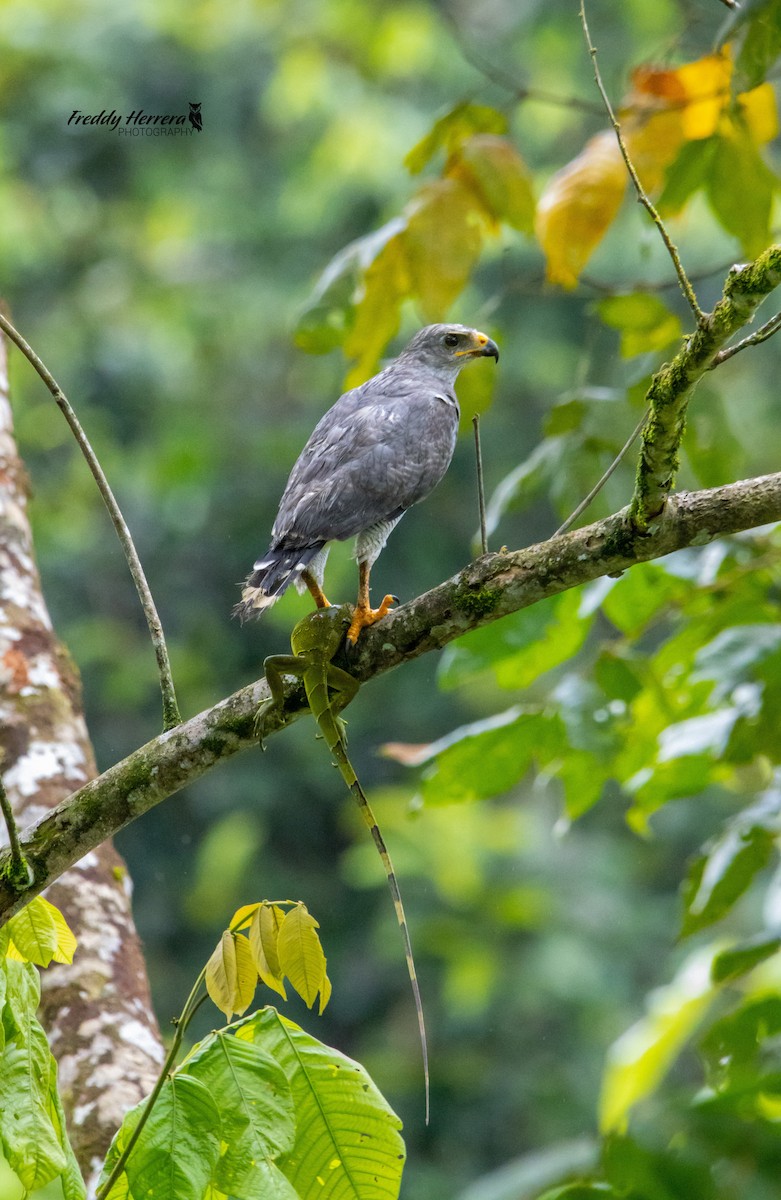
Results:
x,y
134,123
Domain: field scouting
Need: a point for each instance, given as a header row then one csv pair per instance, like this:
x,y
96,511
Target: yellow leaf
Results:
x,y
242,916
301,956
760,112
496,173
578,206
34,932
230,974
652,123
442,242
325,993
66,939
221,974
263,933
246,974
641,1057
706,84
377,314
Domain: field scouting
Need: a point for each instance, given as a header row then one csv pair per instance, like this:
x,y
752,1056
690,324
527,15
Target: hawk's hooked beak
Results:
x,y
482,347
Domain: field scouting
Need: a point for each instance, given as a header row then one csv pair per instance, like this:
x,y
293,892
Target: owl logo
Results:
x,y
196,120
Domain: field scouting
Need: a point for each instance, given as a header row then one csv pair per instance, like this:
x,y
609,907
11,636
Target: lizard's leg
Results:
x,y
275,666
364,613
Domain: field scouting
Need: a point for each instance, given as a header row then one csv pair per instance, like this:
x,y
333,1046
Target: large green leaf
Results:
x,y
347,1143
743,957
33,1146
521,647
719,876
639,1060
643,320
745,211
255,1105
489,757
178,1148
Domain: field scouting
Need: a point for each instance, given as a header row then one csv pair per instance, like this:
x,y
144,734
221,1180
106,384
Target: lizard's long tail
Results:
x,y
350,778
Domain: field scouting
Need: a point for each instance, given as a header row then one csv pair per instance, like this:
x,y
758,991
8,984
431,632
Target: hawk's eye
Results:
x,y
451,339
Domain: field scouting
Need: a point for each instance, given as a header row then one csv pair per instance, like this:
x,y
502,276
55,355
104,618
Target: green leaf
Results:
x,y
639,1060
178,1148
729,658
732,1046
641,594
634,1170
30,1142
755,31
740,191
329,313
579,1191
452,129
256,1109
517,490
347,1142
737,960
687,174
301,956
521,647
643,320
34,932
717,878
489,757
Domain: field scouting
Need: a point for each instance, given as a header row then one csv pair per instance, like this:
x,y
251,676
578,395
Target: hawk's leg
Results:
x,y
318,595
364,613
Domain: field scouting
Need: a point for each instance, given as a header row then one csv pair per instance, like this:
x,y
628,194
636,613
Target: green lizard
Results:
x,y
314,641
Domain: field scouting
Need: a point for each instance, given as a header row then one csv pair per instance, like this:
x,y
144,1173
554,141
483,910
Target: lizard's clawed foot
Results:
x,y
363,617
259,715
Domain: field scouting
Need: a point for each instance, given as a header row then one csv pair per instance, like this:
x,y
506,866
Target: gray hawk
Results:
x,y
381,448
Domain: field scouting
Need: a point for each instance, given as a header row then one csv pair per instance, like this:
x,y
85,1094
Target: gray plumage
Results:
x,y
381,448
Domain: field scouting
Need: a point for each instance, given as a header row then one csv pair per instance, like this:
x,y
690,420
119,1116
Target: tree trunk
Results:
x,y
98,1011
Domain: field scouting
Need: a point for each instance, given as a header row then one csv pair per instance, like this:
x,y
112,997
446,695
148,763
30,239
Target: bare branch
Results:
x,y
171,715
672,386
672,250
491,587
762,334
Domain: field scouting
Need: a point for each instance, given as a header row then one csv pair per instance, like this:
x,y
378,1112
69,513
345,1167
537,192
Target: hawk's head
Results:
x,y
449,347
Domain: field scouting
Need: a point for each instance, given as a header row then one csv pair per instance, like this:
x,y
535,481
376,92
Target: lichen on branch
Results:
x,y
671,388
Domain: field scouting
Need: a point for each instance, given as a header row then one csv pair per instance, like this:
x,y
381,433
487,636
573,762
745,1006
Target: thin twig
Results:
x,y
171,715
683,279
761,335
19,872
480,486
597,488
504,79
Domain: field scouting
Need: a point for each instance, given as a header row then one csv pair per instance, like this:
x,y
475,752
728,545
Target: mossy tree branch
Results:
x,y
489,588
672,386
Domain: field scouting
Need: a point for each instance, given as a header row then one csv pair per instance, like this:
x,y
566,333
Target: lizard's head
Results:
x,y
322,631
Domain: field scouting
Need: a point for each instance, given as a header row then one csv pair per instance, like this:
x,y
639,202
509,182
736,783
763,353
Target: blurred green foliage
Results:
x,y
170,284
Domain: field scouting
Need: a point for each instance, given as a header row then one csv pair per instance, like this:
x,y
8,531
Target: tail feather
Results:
x,y
271,576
